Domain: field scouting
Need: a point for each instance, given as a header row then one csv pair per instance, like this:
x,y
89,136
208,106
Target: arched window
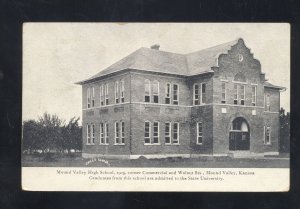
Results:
x,y
147,90
122,91
155,91
240,77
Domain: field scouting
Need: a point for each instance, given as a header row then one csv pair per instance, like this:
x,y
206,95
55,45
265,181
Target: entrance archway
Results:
x,y
239,135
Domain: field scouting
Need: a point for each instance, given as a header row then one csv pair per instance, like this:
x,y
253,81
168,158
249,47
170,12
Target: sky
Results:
x,y
57,55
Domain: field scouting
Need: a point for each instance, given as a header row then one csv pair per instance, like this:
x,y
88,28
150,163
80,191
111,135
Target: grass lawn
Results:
x,y
75,160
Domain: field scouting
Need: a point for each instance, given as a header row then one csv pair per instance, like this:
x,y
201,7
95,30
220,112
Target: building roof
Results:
x,y
155,60
268,84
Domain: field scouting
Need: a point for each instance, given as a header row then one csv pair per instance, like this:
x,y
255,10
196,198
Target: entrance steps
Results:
x,y
246,154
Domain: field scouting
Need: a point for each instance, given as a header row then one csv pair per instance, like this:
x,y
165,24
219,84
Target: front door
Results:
x,y
239,135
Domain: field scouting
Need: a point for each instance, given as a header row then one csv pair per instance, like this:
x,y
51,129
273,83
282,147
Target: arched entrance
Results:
x,y
239,135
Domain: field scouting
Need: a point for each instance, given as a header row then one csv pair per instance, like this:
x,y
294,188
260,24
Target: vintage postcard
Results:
x,y
156,107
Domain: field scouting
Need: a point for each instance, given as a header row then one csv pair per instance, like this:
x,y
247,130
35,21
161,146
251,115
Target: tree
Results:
x,y
72,135
50,134
284,145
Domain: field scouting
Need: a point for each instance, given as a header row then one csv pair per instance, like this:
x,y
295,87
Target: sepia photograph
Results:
x,y
186,100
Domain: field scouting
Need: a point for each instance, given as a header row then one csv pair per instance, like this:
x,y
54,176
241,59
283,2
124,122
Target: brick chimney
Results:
x,y
155,46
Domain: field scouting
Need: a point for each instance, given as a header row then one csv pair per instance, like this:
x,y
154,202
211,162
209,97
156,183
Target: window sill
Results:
x,y
172,144
103,144
148,144
119,144
199,144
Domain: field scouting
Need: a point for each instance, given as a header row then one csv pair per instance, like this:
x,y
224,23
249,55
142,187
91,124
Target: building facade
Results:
x,y
159,104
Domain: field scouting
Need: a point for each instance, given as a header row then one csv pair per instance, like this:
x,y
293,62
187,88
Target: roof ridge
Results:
x,y
215,46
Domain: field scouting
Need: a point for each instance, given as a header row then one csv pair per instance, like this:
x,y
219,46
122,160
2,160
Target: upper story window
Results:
x,y
203,93
147,90
116,92
199,93
88,97
267,102
175,94
122,91
239,94
235,94
168,94
253,90
106,93
155,91
223,92
101,96
242,94
93,97
196,94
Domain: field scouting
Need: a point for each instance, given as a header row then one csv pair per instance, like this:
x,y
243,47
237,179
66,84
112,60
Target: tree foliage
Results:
x,y
284,118
50,134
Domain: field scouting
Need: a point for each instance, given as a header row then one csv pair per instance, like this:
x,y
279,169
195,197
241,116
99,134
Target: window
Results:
x,y
254,95
116,92
242,94
196,94
106,94
122,91
147,90
93,133
155,91
199,133
101,96
175,133
155,132
147,132
117,133
240,57
103,133
93,97
168,94
223,99
267,135
88,95
106,133
175,94
235,94
203,93
123,132
168,133
267,102
88,134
